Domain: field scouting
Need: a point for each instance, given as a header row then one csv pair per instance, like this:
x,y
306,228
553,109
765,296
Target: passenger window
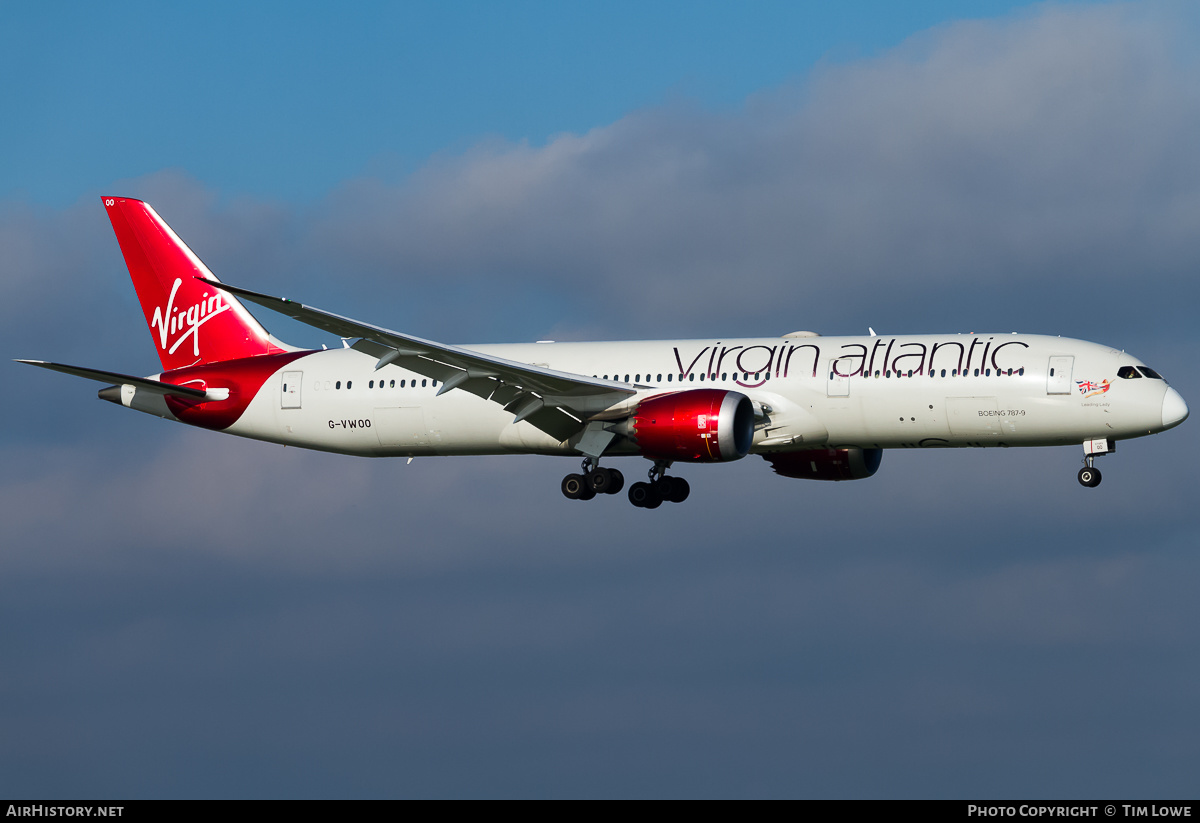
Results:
x,y
724,375
338,384
669,378
422,384
977,372
659,379
394,384
371,384
691,378
349,383
943,372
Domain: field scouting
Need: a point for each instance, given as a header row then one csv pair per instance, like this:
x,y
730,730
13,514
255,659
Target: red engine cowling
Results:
x,y
700,425
826,464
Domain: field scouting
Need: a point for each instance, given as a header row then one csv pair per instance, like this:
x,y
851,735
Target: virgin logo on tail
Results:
x,y
185,322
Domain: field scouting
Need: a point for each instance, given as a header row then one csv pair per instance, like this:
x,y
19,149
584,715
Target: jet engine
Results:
x,y
699,425
826,464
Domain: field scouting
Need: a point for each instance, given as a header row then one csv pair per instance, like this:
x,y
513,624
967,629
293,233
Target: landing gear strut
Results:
x,y
592,481
661,488
1089,475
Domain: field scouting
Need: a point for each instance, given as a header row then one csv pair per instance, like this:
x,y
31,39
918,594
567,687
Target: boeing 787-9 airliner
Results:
x,y
822,408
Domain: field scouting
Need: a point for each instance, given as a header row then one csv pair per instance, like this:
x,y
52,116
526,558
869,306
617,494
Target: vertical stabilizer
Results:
x,y
191,322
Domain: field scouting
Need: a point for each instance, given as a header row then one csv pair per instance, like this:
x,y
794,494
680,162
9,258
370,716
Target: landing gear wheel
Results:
x,y
573,486
618,481
1089,477
600,480
644,496
680,490
672,489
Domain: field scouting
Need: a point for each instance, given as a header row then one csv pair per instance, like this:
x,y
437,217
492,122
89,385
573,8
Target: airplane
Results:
x,y
821,408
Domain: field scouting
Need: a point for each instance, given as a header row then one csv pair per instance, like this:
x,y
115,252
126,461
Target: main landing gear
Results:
x,y
594,480
660,489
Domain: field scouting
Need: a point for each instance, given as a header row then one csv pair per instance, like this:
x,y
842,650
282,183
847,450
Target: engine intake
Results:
x,y
826,464
700,425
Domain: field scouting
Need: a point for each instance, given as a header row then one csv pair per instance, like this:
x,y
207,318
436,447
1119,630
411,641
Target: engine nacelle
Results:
x,y
826,464
699,425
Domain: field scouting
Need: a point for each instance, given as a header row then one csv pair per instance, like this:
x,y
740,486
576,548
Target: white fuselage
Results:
x,y
870,392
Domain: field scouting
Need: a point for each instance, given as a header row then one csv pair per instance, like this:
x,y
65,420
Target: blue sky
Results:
x,y
189,615
286,100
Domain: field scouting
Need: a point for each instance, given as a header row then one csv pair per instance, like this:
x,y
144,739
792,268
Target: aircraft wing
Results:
x,y
156,386
558,403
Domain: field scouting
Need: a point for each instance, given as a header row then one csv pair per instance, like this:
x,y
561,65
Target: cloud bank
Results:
x,y
187,614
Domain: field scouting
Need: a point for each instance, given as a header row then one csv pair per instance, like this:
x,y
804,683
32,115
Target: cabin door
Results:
x,y
292,380
1058,375
838,384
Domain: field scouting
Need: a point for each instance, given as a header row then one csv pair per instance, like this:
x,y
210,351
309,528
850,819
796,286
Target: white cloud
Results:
x,y
1048,153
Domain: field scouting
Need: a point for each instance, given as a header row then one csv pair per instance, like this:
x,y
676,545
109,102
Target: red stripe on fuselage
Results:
x,y
242,377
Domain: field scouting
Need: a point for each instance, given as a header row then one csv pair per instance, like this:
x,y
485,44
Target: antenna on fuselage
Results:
x,y
872,331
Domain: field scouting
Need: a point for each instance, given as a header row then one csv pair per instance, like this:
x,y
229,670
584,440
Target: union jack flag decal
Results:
x,y
1087,388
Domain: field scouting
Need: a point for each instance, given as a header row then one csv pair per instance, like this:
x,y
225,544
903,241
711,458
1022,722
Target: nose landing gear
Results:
x,y
1089,475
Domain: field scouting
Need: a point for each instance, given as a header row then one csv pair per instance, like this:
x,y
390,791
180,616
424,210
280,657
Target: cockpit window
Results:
x,y
1149,372
1127,373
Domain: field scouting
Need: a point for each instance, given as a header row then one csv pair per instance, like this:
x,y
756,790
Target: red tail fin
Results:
x,y
191,323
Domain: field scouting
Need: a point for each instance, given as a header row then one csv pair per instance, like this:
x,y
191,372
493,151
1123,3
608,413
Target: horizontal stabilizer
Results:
x,y
156,386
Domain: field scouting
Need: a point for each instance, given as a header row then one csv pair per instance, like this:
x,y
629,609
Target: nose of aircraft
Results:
x,y
1174,410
